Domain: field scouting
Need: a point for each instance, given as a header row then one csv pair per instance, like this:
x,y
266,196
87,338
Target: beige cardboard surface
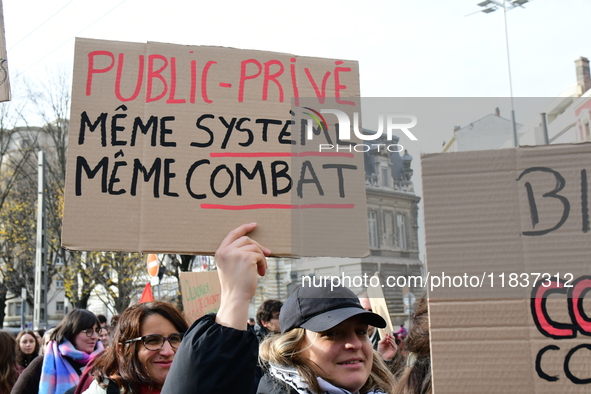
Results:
x,y
379,306
172,146
502,219
201,293
4,80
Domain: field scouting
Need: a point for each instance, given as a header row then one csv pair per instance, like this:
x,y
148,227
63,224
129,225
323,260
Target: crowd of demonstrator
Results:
x,y
318,342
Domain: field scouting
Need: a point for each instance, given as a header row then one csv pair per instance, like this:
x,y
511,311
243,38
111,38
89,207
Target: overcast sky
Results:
x,y
426,48
405,48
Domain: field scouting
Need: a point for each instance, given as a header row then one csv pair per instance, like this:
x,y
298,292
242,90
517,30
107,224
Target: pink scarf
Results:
x,y
57,374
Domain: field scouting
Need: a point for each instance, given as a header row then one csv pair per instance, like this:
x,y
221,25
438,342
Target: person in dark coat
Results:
x,y
250,324
268,318
27,348
218,354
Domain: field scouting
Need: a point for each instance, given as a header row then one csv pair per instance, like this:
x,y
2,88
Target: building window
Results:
x,y
19,310
385,177
401,229
389,233
59,284
372,224
11,309
59,306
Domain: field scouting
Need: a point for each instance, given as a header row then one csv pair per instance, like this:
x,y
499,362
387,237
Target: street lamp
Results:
x,y
492,6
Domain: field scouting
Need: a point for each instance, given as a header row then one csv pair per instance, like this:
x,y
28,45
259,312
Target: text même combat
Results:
x,y
216,134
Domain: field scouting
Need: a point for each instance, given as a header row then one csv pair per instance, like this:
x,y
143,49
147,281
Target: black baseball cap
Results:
x,y
321,308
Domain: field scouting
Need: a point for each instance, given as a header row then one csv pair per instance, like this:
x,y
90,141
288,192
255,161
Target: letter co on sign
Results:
x,y
579,323
344,125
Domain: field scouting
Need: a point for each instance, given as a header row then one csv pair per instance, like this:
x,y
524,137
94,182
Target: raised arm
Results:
x,y
218,354
240,260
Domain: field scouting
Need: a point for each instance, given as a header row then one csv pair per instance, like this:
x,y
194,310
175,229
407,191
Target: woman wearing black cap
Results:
x,y
323,348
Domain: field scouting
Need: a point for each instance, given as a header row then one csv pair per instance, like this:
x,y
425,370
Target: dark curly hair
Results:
x,y
120,361
266,310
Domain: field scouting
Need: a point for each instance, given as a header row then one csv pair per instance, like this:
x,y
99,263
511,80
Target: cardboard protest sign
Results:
x,y
172,146
4,81
201,293
507,236
379,306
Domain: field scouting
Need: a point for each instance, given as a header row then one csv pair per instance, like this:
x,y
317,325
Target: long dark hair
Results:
x,y
8,369
120,362
21,358
75,321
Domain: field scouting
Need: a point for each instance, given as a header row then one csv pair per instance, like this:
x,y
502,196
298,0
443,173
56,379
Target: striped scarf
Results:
x,y
57,374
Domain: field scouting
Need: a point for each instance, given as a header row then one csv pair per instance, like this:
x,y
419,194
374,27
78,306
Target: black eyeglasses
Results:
x,y
90,331
156,341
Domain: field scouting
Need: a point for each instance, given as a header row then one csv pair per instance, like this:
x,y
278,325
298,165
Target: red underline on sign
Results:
x,y
276,206
282,154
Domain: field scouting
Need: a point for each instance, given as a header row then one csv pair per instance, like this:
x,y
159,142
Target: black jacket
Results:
x,y
213,359
28,359
28,382
270,385
261,333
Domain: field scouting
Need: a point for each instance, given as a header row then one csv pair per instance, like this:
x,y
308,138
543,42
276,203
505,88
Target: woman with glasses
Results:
x,y
146,339
73,344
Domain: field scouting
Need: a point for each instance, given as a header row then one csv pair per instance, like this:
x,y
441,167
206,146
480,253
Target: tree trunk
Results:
x,y
82,303
2,304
